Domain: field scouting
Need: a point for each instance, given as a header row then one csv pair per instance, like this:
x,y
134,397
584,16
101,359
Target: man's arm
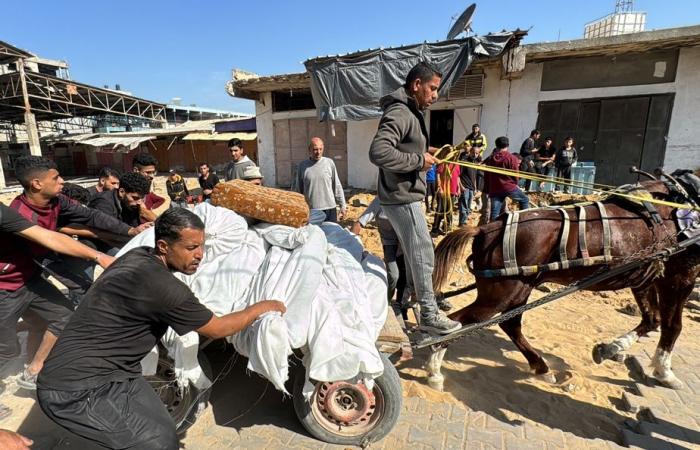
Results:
x,y
75,212
298,179
61,243
338,191
384,152
229,324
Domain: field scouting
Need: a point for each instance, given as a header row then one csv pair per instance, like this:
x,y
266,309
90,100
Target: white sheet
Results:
x,y
335,295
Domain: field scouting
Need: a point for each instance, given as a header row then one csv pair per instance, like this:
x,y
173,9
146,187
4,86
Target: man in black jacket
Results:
x,y
124,203
400,150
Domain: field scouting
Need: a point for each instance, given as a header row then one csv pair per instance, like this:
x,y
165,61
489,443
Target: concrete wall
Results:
x,y
683,145
266,138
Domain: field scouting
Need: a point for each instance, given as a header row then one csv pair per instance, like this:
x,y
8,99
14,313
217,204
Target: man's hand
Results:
x,y
207,191
432,150
105,260
133,231
343,213
10,440
265,306
428,161
356,228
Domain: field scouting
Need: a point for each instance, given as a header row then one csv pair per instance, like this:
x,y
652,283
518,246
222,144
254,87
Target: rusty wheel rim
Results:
x,y
347,409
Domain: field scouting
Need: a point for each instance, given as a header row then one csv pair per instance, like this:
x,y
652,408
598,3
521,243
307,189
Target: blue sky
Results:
x,y
163,49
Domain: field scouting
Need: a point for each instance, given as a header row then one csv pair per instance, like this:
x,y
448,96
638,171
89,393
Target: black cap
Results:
x,y
502,142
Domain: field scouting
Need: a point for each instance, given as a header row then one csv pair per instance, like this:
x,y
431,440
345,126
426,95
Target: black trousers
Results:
x,y
119,415
41,305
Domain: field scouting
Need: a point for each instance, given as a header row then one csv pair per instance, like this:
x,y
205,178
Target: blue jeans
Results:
x,y
465,205
516,195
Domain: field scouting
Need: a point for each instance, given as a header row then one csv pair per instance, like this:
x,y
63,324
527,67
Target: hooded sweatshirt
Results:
x,y
234,170
398,148
496,184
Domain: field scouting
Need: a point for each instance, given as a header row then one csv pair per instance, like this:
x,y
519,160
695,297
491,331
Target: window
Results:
x,y
292,100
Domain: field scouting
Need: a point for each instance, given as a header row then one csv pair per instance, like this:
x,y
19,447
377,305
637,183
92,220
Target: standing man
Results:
x,y
501,186
317,178
146,164
469,180
207,181
107,180
239,160
400,150
91,383
477,139
528,151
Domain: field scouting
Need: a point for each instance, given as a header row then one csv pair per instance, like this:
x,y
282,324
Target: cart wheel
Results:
x,y
350,414
185,405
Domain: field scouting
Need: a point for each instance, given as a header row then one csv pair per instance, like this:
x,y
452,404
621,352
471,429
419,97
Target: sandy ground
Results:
x,y
485,372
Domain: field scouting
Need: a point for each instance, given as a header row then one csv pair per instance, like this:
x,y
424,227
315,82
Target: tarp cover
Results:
x,y
349,87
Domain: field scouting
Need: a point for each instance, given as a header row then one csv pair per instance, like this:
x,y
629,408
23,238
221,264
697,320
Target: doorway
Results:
x,y
441,127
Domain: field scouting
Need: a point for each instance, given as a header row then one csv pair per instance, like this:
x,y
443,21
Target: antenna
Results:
x,y
463,23
624,6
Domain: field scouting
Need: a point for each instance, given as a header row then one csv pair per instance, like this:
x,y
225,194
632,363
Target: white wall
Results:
x,y
266,139
361,172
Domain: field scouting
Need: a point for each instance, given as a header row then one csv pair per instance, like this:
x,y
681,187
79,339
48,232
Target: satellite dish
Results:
x,y
463,23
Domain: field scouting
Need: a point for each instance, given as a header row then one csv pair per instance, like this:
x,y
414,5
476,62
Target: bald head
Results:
x,y
316,148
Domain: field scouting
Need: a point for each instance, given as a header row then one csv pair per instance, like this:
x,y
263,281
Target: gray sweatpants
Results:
x,y
411,228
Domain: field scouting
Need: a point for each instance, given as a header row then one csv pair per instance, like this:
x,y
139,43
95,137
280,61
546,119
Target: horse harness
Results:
x,y
646,209
511,267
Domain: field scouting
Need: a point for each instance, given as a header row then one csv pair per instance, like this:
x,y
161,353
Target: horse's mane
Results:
x,y
448,250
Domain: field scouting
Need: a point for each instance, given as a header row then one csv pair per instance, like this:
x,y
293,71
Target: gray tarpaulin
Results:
x,y
349,87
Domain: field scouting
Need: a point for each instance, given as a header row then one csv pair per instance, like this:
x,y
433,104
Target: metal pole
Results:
x,y
29,119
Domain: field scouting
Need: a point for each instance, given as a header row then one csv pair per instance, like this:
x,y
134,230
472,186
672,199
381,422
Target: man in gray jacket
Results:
x,y
400,150
239,161
317,178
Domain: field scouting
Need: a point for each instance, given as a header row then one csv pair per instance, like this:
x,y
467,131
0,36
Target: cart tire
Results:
x,y
372,420
184,407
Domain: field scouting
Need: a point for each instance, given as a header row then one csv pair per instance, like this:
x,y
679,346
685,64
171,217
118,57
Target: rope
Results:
x,y
449,158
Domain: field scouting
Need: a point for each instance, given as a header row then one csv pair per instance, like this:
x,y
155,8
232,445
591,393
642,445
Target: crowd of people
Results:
x,y
460,187
64,230
78,356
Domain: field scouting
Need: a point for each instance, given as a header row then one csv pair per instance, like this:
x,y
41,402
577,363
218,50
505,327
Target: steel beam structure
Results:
x,y
53,98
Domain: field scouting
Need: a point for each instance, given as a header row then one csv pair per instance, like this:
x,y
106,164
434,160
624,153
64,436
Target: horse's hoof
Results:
x,y
548,377
437,383
599,353
670,382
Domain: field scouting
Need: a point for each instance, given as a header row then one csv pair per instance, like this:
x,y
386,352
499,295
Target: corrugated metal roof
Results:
x,y
244,136
120,144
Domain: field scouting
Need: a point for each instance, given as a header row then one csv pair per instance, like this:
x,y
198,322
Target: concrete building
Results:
x,y
627,100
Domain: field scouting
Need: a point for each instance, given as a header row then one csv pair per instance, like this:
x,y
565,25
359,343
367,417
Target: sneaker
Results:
x,y
27,380
444,304
439,324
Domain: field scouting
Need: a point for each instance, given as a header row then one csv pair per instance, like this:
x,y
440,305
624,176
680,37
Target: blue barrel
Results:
x,y
583,172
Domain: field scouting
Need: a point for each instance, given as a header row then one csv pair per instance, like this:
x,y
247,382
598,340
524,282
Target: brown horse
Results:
x,y
660,289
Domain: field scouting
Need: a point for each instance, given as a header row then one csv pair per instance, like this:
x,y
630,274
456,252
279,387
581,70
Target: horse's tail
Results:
x,y
449,249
